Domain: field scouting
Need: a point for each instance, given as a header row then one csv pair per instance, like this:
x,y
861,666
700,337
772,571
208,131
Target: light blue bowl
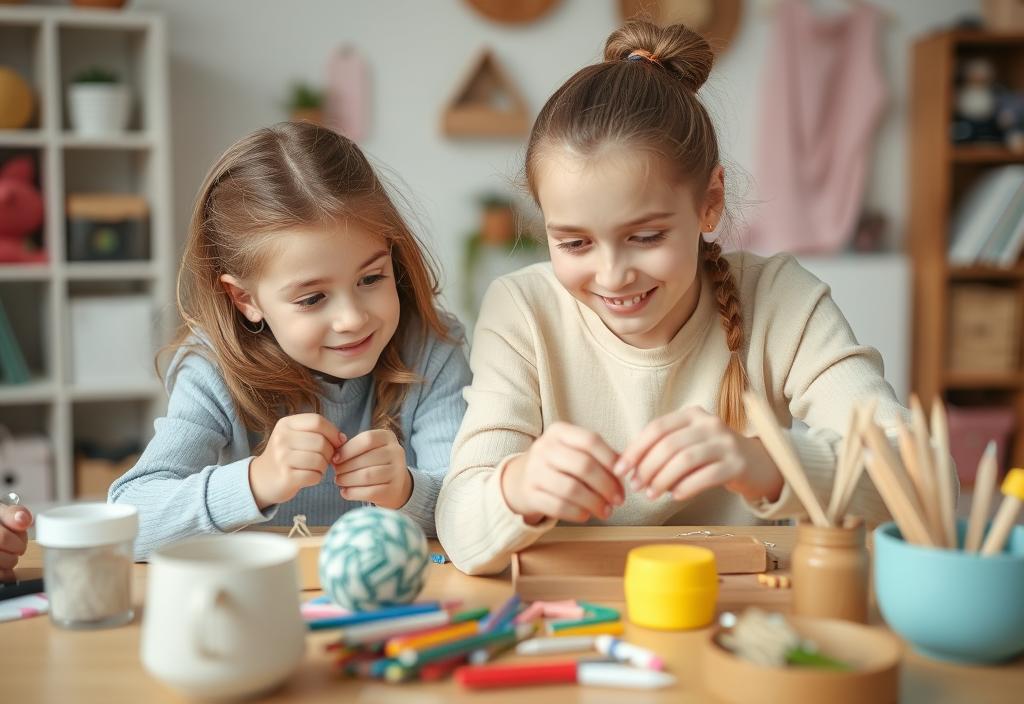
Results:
x,y
951,605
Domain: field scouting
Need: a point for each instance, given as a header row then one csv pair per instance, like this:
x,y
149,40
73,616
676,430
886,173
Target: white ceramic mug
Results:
x,y
221,616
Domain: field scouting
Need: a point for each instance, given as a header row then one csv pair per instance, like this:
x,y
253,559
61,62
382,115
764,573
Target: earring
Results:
x,y
256,330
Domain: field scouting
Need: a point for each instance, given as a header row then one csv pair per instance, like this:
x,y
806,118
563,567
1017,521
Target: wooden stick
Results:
x,y
922,440
850,446
857,469
782,452
1013,499
883,466
911,460
944,474
984,485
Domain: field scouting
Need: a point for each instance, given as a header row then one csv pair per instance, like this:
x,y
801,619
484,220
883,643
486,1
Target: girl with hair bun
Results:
x,y
608,383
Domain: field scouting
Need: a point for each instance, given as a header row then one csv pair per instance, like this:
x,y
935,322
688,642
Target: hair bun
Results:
x,y
682,52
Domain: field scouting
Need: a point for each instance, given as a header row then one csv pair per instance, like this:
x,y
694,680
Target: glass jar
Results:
x,y
830,572
87,563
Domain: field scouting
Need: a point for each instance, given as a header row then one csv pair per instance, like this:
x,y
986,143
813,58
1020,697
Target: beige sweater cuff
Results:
x,y
506,529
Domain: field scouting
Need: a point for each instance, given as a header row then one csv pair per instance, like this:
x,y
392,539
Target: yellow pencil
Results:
x,y
613,628
431,638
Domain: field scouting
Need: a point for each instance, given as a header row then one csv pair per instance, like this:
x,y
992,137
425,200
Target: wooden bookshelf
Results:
x,y
939,173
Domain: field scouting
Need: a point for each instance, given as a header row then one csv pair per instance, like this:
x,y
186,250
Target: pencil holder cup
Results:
x,y
830,572
671,587
949,604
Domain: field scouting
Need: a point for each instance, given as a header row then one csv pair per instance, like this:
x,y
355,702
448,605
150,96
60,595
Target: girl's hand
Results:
x,y
14,522
566,474
371,467
690,451
298,452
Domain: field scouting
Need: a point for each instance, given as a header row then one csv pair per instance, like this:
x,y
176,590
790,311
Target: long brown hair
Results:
x,y
291,175
650,102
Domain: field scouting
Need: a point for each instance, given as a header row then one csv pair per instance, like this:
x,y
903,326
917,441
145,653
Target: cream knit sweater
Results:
x,y
539,356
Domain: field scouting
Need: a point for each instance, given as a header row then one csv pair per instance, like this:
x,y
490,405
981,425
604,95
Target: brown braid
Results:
x,y
734,382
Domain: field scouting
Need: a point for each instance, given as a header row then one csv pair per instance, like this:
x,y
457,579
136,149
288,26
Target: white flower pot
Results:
x,y
99,109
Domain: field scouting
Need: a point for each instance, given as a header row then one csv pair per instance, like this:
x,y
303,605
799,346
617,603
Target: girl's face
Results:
x,y
328,294
623,237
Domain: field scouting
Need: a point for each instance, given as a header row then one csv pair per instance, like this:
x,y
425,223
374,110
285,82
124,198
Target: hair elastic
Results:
x,y
643,55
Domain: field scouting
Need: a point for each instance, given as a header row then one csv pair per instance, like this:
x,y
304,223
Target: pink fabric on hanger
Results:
x,y
348,94
822,96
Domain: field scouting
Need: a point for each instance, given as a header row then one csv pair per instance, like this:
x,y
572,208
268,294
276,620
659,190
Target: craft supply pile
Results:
x,y
950,589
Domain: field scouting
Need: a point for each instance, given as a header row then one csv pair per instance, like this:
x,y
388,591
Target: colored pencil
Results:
x,y
368,616
601,674
383,630
502,617
411,658
595,629
555,644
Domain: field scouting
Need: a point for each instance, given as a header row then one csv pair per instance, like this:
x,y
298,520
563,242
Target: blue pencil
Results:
x,y
378,615
502,617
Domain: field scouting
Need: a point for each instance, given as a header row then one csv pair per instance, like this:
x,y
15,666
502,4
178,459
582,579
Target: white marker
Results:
x,y
549,646
613,675
628,653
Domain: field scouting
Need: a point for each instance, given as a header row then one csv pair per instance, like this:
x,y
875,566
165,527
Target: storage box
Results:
x,y
1003,15
25,462
94,475
107,227
971,429
588,562
112,340
984,329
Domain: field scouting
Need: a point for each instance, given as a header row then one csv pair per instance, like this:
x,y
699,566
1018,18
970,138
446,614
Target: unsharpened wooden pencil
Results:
x,y
883,466
926,461
944,474
984,486
784,456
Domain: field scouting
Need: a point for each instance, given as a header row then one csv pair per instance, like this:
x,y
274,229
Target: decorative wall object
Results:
x,y
717,20
515,12
486,103
347,95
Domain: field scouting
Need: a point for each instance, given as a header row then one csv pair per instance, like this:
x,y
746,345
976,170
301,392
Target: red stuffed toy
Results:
x,y
21,211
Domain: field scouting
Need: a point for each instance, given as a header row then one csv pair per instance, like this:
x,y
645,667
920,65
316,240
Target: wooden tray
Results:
x,y
588,563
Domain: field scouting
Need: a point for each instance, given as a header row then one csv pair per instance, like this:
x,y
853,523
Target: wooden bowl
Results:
x,y
874,654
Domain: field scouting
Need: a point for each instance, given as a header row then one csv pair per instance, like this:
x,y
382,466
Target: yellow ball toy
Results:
x,y
16,101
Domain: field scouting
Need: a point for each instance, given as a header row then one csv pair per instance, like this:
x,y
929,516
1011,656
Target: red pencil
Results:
x,y
594,672
487,676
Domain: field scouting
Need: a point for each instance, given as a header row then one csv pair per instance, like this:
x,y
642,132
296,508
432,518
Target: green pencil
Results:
x,y
411,657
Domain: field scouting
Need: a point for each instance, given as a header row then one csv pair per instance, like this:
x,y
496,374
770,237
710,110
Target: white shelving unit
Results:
x,y
48,46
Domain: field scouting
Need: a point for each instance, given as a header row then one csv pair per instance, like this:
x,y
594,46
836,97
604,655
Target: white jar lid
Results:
x,y
87,525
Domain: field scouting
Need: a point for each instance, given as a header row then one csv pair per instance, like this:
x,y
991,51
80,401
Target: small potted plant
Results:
x,y
306,103
98,103
497,219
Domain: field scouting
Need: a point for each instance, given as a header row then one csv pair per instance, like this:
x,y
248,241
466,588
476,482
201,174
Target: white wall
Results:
x,y
232,61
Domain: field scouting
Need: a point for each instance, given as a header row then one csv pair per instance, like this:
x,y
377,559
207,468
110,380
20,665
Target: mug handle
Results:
x,y
203,606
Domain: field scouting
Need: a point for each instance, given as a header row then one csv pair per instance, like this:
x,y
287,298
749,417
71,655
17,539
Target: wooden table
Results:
x,y
41,663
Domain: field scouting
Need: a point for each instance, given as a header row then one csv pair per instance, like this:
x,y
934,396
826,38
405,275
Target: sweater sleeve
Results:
x,y
178,484
818,373
474,523
439,410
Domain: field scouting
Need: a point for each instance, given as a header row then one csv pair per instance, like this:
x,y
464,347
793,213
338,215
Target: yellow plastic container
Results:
x,y
671,587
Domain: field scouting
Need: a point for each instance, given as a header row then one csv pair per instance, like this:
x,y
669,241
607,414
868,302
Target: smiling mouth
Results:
x,y
352,346
626,302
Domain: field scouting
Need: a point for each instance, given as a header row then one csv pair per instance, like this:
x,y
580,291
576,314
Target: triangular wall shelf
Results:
x,y
486,104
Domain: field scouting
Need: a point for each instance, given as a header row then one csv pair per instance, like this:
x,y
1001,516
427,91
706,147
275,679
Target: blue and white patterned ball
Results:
x,y
373,557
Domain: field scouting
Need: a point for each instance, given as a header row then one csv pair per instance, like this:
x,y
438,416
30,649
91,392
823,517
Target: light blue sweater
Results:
x,y
194,475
